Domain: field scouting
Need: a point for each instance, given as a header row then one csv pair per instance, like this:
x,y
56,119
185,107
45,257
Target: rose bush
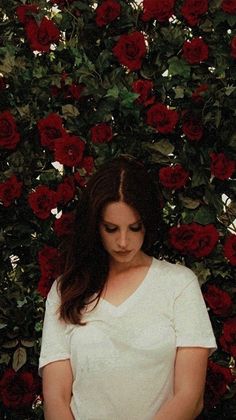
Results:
x,y
80,83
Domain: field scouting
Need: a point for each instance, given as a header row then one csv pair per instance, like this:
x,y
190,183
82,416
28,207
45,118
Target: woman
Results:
x,y
126,336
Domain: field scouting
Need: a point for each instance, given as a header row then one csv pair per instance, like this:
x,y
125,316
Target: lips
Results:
x,y
122,252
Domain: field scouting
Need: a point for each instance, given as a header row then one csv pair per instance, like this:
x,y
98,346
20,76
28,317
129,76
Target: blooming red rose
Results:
x,y
233,47
42,201
217,381
19,389
228,337
194,239
221,166
88,164
229,6
160,10
130,50
50,260
192,127
218,300
101,133
193,9
10,190
42,35
230,249
108,11
182,237
9,136
144,89
162,118
173,177
74,91
25,12
69,150
197,95
50,129
2,83
66,190
65,224
195,51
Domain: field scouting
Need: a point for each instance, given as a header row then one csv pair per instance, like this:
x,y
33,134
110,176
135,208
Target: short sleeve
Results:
x,y
192,323
54,345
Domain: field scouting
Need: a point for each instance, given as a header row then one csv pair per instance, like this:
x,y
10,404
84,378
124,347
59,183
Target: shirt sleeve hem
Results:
x,y
45,361
211,344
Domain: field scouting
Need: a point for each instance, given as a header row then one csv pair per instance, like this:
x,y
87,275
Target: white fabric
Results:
x,y
123,359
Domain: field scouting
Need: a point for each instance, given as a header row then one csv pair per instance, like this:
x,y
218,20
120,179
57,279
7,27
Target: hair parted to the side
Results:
x,y
86,260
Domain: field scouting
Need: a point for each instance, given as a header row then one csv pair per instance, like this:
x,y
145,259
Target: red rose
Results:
x,y
101,133
144,89
9,136
195,51
233,47
18,390
229,6
160,10
192,127
50,261
10,190
42,201
74,91
197,95
218,300
162,118
230,249
182,237
65,224
66,190
193,9
80,180
69,150
206,238
41,36
130,50
25,12
50,129
228,337
173,177
221,166
194,239
2,83
45,283
217,381
108,11
88,164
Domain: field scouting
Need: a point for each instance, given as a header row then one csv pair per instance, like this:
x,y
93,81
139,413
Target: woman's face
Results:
x,y
122,232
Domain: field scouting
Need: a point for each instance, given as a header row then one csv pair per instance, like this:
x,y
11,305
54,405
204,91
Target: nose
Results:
x,y
122,239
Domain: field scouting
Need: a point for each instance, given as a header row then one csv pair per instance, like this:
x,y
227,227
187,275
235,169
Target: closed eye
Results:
x,y
109,229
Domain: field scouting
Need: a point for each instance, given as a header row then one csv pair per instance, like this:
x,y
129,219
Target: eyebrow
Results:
x,y
105,222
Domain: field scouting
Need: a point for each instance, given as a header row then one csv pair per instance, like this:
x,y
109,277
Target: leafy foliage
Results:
x,y
82,82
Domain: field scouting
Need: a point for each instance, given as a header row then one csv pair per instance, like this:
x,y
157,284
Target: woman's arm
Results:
x,y
57,390
189,384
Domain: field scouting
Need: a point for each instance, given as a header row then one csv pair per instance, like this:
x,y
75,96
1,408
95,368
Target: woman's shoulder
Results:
x,y
173,274
54,293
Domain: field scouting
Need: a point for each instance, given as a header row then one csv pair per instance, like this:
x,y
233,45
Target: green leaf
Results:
x,y
179,67
19,358
205,215
198,178
69,111
164,146
113,92
188,202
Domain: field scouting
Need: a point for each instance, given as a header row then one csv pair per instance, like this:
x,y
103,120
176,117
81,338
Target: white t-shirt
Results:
x,y
123,359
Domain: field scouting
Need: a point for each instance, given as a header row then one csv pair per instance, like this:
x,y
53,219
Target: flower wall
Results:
x,y
82,82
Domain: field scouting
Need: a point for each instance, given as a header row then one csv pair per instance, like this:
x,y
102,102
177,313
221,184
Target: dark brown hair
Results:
x,y
87,262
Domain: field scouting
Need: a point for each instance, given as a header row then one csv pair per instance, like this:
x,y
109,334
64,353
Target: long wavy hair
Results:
x,y
86,260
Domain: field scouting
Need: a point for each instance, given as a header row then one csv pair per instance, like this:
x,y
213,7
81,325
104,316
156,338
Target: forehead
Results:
x,y
120,213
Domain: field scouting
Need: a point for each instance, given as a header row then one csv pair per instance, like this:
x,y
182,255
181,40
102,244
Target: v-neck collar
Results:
x,y
118,309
